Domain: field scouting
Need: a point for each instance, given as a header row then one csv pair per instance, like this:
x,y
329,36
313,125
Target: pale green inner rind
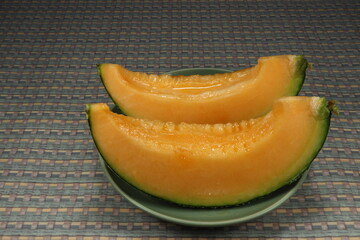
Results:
x,y
88,107
299,75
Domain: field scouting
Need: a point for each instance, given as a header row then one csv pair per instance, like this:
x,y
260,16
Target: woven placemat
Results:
x,y
51,182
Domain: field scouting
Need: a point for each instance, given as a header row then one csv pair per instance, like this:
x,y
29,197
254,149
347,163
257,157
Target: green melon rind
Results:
x,y
299,75
118,105
323,115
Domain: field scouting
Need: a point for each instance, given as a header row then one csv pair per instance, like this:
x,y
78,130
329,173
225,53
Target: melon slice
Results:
x,y
218,98
213,165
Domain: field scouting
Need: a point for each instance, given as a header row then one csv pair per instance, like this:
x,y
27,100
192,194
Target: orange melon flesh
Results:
x,y
213,165
218,98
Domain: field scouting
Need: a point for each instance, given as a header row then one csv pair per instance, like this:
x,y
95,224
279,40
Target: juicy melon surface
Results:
x,y
218,98
213,165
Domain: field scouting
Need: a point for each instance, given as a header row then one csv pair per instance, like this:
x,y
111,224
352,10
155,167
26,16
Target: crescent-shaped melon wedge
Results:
x,y
213,165
218,98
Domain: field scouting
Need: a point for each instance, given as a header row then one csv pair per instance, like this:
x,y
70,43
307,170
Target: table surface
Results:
x,y
51,182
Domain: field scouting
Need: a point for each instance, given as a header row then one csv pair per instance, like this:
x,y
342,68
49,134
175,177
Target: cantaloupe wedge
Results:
x,y
213,165
218,98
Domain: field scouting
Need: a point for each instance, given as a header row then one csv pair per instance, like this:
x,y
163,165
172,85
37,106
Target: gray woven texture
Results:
x,y
51,183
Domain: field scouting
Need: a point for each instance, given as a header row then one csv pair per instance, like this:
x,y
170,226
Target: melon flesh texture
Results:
x,y
213,165
218,98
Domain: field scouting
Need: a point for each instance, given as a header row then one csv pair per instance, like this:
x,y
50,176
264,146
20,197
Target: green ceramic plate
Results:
x,y
201,217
